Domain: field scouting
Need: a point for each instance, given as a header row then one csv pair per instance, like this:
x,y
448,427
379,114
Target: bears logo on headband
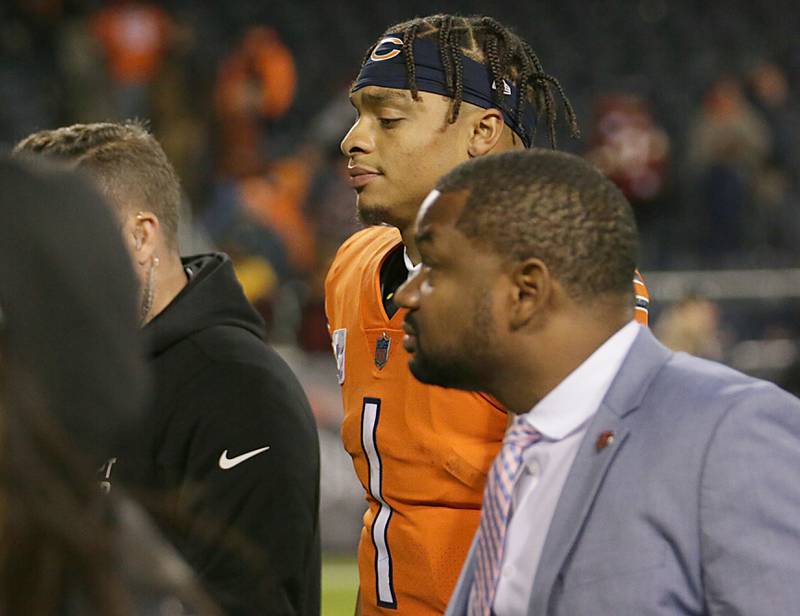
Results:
x,y
379,54
387,68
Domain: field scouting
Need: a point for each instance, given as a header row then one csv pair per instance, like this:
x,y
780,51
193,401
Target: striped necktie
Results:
x,y
495,514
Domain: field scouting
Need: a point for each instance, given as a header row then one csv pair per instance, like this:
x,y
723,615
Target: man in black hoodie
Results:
x,y
229,464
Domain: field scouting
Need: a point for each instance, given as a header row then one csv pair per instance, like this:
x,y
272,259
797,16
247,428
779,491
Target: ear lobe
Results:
x,y
145,236
533,287
486,132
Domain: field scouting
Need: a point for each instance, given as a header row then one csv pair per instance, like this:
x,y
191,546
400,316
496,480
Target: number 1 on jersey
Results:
x,y
370,415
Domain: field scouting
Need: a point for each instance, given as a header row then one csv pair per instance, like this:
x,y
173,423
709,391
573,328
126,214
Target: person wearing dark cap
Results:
x,y
229,457
72,387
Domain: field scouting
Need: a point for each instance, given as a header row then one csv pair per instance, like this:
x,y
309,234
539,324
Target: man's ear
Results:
x,y
144,233
532,287
487,128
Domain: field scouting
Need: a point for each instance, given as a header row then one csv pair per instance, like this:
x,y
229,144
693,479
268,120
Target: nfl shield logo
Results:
x,y
382,351
339,340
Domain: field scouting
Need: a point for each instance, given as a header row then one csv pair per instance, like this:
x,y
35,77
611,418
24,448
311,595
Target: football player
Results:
x,y
432,92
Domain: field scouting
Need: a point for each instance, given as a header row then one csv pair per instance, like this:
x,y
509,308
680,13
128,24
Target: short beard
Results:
x,y
451,374
465,367
377,215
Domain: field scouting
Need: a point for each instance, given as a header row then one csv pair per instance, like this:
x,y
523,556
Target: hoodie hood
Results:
x,y
212,297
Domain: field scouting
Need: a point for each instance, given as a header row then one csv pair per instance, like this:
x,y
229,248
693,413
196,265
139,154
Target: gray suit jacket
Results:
x,y
693,509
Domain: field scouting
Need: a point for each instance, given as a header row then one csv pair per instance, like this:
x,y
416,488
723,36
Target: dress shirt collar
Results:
x,y
409,264
575,399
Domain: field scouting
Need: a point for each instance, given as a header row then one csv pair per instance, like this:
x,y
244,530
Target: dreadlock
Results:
x,y
487,41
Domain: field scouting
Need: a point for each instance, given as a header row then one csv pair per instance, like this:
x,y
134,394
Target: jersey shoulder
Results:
x,y
363,248
356,266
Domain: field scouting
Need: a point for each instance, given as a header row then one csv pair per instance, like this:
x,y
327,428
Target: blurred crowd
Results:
x,y
694,115
691,108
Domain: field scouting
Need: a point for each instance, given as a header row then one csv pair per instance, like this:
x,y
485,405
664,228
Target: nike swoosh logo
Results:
x,y
226,463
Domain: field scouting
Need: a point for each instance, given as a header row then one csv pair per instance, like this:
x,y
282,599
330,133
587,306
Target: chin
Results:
x,y
378,214
374,212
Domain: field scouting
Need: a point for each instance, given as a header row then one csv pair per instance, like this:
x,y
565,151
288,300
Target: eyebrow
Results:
x,y
385,97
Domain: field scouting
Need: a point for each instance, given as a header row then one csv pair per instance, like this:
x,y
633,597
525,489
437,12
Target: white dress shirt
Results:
x,y
409,263
562,417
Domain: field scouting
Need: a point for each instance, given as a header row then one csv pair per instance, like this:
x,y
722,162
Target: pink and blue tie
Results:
x,y
495,514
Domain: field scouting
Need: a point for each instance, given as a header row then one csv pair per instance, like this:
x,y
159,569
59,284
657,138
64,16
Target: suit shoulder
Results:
x,y
712,385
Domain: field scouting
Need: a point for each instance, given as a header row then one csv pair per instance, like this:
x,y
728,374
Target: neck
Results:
x,y
539,366
169,279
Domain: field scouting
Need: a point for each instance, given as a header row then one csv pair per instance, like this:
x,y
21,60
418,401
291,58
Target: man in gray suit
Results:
x,y
633,480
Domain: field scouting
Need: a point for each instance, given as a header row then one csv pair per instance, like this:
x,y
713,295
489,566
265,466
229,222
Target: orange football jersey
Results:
x,y
421,452
642,299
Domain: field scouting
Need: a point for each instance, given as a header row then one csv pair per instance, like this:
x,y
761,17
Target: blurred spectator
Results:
x,y
87,85
771,96
692,326
275,200
331,204
633,151
180,118
777,186
330,208
628,146
30,83
728,145
255,84
134,35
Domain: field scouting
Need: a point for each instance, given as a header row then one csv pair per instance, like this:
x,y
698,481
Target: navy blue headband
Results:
x,y
386,67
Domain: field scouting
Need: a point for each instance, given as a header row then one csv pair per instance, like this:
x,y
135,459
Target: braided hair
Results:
x,y
487,41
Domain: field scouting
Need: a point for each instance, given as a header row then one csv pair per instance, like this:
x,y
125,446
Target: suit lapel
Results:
x,y
577,496
592,462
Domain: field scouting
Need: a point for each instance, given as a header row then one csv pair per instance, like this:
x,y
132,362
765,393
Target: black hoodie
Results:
x,y
248,524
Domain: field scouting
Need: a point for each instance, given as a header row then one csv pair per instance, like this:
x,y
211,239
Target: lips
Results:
x,y
361,176
409,339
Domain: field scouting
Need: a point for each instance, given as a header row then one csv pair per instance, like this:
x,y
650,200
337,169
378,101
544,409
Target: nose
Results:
x,y
407,295
358,139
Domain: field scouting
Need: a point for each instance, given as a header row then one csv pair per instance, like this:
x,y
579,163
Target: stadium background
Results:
x,y
691,107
